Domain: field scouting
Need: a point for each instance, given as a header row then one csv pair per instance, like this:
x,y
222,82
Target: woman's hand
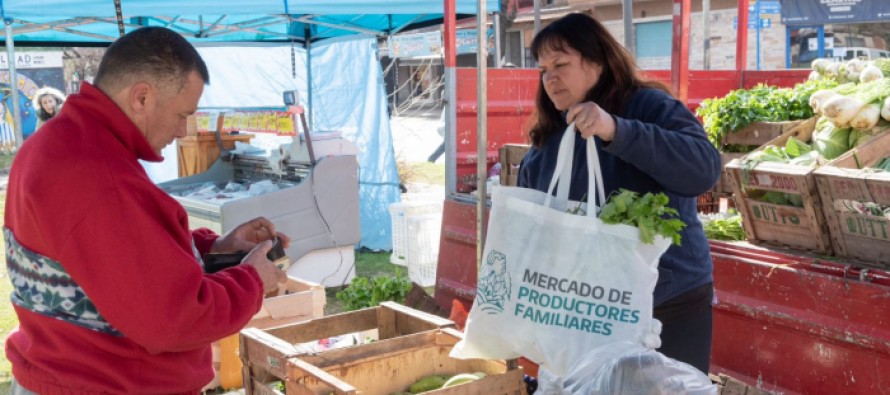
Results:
x,y
247,235
591,120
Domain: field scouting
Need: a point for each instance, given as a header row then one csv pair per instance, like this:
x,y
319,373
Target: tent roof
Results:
x,y
69,22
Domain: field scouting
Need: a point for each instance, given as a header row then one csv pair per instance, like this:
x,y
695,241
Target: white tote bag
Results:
x,y
553,285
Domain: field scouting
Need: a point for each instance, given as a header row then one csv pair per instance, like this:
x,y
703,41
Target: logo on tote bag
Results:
x,y
493,288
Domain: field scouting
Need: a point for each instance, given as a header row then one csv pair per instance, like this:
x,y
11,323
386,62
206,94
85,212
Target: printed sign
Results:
x,y
814,12
34,60
414,45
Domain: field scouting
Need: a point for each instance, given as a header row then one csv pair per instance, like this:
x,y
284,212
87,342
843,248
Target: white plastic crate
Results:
x,y
423,248
400,212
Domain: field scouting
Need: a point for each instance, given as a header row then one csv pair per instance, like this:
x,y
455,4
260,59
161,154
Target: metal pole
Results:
x,y
680,50
627,6
451,98
307,35
706,21
481,128
537,5
741,43
757,28
14,85
496,24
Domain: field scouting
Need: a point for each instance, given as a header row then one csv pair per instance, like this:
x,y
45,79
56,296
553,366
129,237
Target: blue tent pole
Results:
x,y
308,45
14,85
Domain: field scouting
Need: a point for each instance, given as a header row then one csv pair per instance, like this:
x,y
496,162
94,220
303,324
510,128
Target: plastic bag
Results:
x,y
627,368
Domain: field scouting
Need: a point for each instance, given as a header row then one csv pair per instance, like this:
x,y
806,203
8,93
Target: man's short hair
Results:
x,y
157,54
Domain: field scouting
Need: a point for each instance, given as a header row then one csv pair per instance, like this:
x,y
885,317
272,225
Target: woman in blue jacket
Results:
x,y
648,141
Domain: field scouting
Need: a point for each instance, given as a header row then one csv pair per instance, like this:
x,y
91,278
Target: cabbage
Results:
x,y
885,109
830,141
859,137
795,148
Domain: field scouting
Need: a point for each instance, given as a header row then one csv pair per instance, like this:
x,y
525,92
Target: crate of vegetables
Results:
x,y
746,119
265,352
777,197
409,364
855,192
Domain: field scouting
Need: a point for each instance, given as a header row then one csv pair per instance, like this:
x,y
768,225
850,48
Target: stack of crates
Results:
x,y
400,214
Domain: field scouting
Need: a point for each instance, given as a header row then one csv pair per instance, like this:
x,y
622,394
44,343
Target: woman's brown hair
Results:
x,y
617,83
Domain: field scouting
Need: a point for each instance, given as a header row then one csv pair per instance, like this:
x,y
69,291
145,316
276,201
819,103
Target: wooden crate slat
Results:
x,y
346,357
759,133
305,378
409,320
354,321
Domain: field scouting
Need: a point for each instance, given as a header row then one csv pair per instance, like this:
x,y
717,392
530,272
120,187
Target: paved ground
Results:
x,y
415,135
414,138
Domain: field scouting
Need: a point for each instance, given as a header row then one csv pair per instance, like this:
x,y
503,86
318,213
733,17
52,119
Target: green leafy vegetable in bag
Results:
x,y
649,213
729,229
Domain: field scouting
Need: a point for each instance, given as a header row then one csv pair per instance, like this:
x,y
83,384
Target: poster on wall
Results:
x,y
34,70
817,12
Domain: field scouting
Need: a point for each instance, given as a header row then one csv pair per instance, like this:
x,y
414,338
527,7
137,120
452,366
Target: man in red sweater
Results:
x,y
107,279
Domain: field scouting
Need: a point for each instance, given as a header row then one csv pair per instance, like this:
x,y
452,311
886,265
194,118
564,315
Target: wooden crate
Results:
x,y
724,185
759,133
265,353
755,134
391,366
795,227
303,300
855,235
196,153
730,386
510,156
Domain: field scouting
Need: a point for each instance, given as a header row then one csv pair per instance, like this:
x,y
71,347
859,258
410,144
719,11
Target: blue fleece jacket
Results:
x,y
659,146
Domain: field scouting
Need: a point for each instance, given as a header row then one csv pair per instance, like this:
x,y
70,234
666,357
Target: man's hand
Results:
x,y
270,275
247,235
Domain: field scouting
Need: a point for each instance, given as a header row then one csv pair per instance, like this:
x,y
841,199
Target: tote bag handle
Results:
x,y
563,171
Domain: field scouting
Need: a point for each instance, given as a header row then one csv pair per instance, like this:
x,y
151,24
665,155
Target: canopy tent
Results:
x,y
354,104
38,22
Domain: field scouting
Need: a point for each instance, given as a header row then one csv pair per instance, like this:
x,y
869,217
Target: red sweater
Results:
x,y
77,195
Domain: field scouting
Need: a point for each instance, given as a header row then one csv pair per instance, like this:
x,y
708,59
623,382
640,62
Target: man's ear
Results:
x,y
139,97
